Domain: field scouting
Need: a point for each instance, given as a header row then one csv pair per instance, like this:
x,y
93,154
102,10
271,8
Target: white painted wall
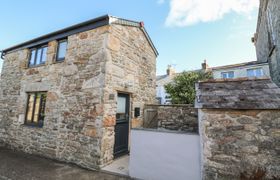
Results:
x,y
162,94
241,72
156,155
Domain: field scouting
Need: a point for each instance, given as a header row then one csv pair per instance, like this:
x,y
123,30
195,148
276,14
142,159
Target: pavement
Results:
x,y
119,166
21,166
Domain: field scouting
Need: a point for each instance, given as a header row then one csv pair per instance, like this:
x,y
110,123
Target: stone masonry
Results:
x,y
240,143
81,92
175,117
178,117
267,37
239,124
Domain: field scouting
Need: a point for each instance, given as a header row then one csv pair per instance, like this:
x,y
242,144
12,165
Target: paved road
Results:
x,y
20,166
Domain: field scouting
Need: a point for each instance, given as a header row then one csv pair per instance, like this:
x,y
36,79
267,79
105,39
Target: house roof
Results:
x,y
242,93
239,65
81,27
165,79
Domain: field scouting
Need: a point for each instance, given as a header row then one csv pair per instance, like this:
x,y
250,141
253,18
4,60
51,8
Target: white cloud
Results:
x,y
160,1
189,12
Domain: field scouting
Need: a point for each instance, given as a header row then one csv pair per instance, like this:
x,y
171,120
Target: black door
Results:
x,y
122,125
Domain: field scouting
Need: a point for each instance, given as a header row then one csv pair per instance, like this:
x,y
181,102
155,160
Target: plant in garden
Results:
x,y
182,89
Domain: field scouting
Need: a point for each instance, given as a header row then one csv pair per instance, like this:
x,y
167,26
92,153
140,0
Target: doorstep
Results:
x,y
119,166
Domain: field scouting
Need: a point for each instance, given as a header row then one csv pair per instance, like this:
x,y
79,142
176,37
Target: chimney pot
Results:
x,y
204,65
170,70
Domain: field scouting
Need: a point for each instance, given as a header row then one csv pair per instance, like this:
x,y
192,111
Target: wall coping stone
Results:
x,y
239,94
165,131
172,105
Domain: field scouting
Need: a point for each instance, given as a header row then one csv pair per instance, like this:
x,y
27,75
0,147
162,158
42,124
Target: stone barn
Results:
x,y
74,94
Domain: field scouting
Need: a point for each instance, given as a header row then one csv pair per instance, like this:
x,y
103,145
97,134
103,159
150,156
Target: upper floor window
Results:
x,y
256,72
35,112
38,56
271,33
227,75
61,50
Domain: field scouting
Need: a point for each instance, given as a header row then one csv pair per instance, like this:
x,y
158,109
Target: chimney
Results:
x,y
204,65
170,70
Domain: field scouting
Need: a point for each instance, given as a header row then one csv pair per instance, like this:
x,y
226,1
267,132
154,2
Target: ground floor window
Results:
x,y
35,112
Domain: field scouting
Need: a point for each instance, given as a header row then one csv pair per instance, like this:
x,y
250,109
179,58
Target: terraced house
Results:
x,y
74,94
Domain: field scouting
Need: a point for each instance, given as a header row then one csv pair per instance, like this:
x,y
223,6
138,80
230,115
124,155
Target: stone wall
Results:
x,y
179,118
240,144
73,107
265,51
80,111
239,126
171,117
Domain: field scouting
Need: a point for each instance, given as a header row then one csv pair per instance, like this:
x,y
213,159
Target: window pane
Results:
x,y
61,50
32,57
231,75
44,54
38,57
30,108
42,106
37,108
121,105
250,73
259,72
226,75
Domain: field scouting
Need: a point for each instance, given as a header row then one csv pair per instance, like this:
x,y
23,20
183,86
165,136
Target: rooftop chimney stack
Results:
x,y
170,70
204,65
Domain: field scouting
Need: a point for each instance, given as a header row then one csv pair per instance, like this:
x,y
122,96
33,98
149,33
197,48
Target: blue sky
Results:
x,y
185,32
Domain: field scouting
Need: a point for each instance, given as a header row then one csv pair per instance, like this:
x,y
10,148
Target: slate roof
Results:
x,y
240,93
81,27
164,79
238,65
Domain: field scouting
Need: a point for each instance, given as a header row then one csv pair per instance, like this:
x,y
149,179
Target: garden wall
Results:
x,y
171,117
239,124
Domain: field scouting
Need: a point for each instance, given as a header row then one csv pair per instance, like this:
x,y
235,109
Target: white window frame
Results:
x,y
227,75
255,72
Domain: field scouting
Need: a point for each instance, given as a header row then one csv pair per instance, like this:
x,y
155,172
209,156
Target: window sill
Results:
x,y
271,50
58,61
40,65
32,125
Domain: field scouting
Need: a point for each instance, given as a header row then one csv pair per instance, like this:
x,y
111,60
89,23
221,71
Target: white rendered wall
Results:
x,y
164,155
162,94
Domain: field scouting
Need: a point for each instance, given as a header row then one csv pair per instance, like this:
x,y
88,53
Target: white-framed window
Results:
x,y
255,72
227,75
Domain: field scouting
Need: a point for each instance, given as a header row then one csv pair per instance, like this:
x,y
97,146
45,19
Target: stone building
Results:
x,y
267,37
73,95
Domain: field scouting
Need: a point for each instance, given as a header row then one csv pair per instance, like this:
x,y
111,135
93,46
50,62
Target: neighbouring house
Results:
x,y
74,94
253,69
267,37
162,96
